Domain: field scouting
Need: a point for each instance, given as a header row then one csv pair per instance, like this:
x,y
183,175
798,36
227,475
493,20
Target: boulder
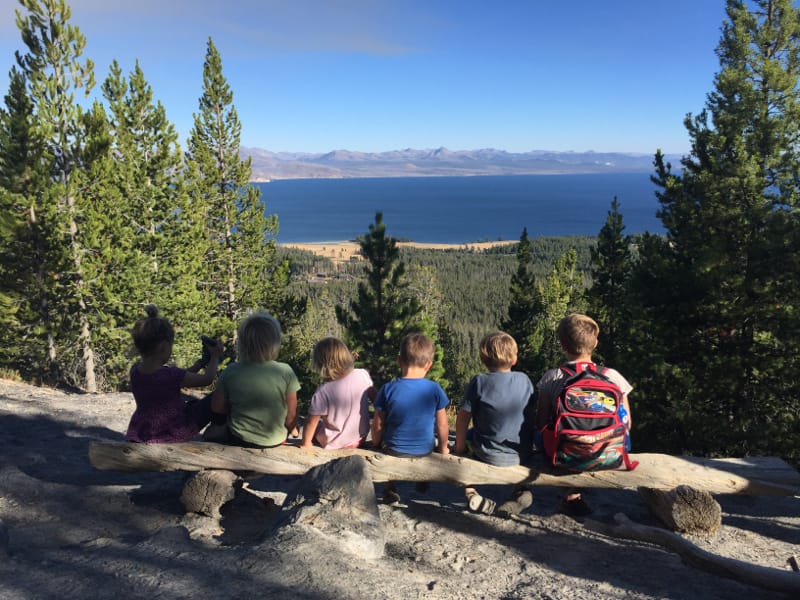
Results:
x,y
335,503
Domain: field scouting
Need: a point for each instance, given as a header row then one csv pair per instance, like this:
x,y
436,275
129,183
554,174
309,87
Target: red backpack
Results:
x,y
586,432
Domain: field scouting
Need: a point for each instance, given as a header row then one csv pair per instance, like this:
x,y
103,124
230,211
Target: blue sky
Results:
x,y
376,75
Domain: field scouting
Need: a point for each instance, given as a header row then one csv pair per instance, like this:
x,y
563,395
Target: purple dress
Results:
x,y
162,416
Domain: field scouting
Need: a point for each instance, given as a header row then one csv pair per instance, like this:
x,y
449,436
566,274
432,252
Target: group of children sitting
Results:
x,y
254,402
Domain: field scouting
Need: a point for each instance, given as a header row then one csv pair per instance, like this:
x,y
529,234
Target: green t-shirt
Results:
x,y
256,395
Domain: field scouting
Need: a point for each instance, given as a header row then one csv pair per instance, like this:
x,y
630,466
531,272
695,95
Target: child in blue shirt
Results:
x,y
410,409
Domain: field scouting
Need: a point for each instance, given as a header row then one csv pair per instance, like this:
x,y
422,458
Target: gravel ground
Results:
x,y
70,531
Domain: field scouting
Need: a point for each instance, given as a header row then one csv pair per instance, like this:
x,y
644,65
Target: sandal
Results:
x,y
573,505
478,503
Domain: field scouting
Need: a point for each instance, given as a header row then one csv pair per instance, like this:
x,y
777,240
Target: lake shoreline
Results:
x,y
345,250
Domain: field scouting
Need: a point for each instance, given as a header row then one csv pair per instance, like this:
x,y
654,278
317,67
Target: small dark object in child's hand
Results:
x,y
208,343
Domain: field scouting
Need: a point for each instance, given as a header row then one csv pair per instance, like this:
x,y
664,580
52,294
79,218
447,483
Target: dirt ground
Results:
x,y
70,531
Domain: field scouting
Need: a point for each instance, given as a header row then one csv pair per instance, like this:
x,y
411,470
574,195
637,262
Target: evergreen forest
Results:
x,y
104,210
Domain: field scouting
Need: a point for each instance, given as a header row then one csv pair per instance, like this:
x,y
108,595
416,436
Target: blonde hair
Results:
x,y
331,358
498,350
416,350
259,338
151,330
578,334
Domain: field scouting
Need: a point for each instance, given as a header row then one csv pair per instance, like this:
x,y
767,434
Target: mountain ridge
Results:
x,y
439,162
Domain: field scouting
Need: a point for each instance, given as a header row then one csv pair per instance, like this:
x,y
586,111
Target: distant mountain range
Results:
x,y
440,162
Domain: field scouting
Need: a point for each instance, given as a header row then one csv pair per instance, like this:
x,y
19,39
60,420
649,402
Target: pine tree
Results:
x,y
55,72
561,294
242,269
384,310
611,265
728,271
164,246
524,306
20,174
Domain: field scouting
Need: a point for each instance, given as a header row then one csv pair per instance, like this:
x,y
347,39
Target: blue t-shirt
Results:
x,y
498,402
410,407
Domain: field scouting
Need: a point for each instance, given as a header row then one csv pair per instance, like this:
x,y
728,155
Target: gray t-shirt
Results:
x,y
498,402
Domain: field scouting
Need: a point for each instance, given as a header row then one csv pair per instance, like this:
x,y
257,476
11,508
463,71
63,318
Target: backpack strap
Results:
x,y
629,464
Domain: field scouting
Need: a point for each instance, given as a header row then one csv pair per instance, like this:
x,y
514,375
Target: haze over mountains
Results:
x,y
269,165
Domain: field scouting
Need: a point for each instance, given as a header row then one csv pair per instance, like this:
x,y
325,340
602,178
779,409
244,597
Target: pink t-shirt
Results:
x,y
344,407
160,415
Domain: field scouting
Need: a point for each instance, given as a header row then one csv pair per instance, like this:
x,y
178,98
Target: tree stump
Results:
x,y
207,491
335,503
684,509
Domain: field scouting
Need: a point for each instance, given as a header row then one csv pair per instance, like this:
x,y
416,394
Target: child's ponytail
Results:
x,y
150,331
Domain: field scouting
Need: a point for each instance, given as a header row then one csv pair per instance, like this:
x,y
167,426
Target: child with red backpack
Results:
x,y
583,411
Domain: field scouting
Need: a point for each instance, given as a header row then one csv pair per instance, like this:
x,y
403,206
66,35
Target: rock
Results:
x,y
684,509
207,491
335,502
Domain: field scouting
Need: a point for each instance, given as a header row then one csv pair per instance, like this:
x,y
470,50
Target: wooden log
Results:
x,y
754,476
768,578
684,509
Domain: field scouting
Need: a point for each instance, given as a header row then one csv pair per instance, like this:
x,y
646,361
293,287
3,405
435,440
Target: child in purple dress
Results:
x,y
164,415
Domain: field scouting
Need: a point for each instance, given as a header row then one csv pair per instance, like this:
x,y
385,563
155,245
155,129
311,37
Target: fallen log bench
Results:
x,y
766,476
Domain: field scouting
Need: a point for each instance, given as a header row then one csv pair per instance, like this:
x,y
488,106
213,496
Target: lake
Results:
x,y
458,210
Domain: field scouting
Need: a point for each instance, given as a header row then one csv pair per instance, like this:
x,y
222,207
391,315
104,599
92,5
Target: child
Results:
x,y
497,404
578,336
257,396
339,413
163,414
407,410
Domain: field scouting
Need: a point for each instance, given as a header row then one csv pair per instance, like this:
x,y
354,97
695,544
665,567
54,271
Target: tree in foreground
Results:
x,y
610,270
59,219
384,310
724,315
242,271
524,306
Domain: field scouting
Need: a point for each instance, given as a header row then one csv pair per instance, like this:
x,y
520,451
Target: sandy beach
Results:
x,y
344,250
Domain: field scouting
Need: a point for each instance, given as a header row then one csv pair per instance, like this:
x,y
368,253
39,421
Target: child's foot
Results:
x,y
573,505
519,501
478,503
390,495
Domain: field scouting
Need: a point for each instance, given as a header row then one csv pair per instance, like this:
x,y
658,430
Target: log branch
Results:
x,y
756,575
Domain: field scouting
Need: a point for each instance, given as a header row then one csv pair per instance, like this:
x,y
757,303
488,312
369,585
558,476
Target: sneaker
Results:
x,y
519,501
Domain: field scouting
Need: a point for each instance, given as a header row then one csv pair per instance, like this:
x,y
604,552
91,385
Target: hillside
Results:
x,y
439,162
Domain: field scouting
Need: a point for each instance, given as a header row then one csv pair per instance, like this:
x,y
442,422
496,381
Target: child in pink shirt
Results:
x,y
339,411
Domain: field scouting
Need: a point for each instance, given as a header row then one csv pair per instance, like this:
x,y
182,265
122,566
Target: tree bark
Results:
x,y
754,476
